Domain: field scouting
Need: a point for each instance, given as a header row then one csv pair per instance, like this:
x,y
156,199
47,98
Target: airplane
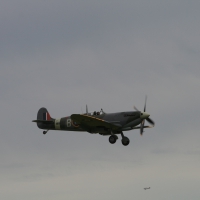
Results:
x,y
147,188
97,122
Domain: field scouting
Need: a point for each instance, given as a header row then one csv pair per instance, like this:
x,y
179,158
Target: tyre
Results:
x,y
112,139
125,141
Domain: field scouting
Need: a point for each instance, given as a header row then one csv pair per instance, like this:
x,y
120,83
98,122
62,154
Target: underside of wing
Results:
x,y
87,122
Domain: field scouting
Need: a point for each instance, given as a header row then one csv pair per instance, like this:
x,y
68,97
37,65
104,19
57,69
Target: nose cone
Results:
x,y
144,115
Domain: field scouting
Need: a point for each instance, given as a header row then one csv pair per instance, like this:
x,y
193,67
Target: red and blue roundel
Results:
x,y
46,116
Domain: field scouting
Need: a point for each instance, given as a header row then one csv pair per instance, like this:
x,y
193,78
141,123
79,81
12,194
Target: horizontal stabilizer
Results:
x,y
43,121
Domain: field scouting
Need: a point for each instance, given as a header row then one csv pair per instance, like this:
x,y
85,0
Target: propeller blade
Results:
x,y
145,103
150,121
142,127
135,108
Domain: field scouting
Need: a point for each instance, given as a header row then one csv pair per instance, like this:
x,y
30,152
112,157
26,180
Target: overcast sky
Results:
x,y
63,55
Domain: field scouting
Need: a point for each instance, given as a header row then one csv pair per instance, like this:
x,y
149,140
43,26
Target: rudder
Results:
x,y
43,114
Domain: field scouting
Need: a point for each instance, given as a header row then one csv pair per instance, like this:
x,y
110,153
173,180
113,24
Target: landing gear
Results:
x,y
113,139
125,140
44,132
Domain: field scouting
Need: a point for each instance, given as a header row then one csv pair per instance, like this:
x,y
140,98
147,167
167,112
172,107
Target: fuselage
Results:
x,y
126,120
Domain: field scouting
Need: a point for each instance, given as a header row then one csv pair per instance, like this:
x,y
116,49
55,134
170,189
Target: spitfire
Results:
x,y
97,122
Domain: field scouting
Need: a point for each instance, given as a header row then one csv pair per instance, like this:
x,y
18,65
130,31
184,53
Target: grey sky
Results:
x,y
107,54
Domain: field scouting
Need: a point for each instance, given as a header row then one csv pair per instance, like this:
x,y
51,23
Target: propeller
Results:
x,y
145,116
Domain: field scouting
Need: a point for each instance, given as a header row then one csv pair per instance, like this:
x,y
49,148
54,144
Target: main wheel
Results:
x,y
125,141
112,139
44,132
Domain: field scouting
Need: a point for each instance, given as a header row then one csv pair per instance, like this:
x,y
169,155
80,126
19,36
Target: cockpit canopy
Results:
x,y
96,113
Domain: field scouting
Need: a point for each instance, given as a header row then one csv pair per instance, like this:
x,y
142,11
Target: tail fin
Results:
x,y
44,120
43,114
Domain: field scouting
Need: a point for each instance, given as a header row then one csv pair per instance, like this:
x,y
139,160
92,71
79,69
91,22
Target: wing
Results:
x,y
87,122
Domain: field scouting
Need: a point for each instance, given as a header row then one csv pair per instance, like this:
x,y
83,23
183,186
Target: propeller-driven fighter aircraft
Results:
x,y
97,122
